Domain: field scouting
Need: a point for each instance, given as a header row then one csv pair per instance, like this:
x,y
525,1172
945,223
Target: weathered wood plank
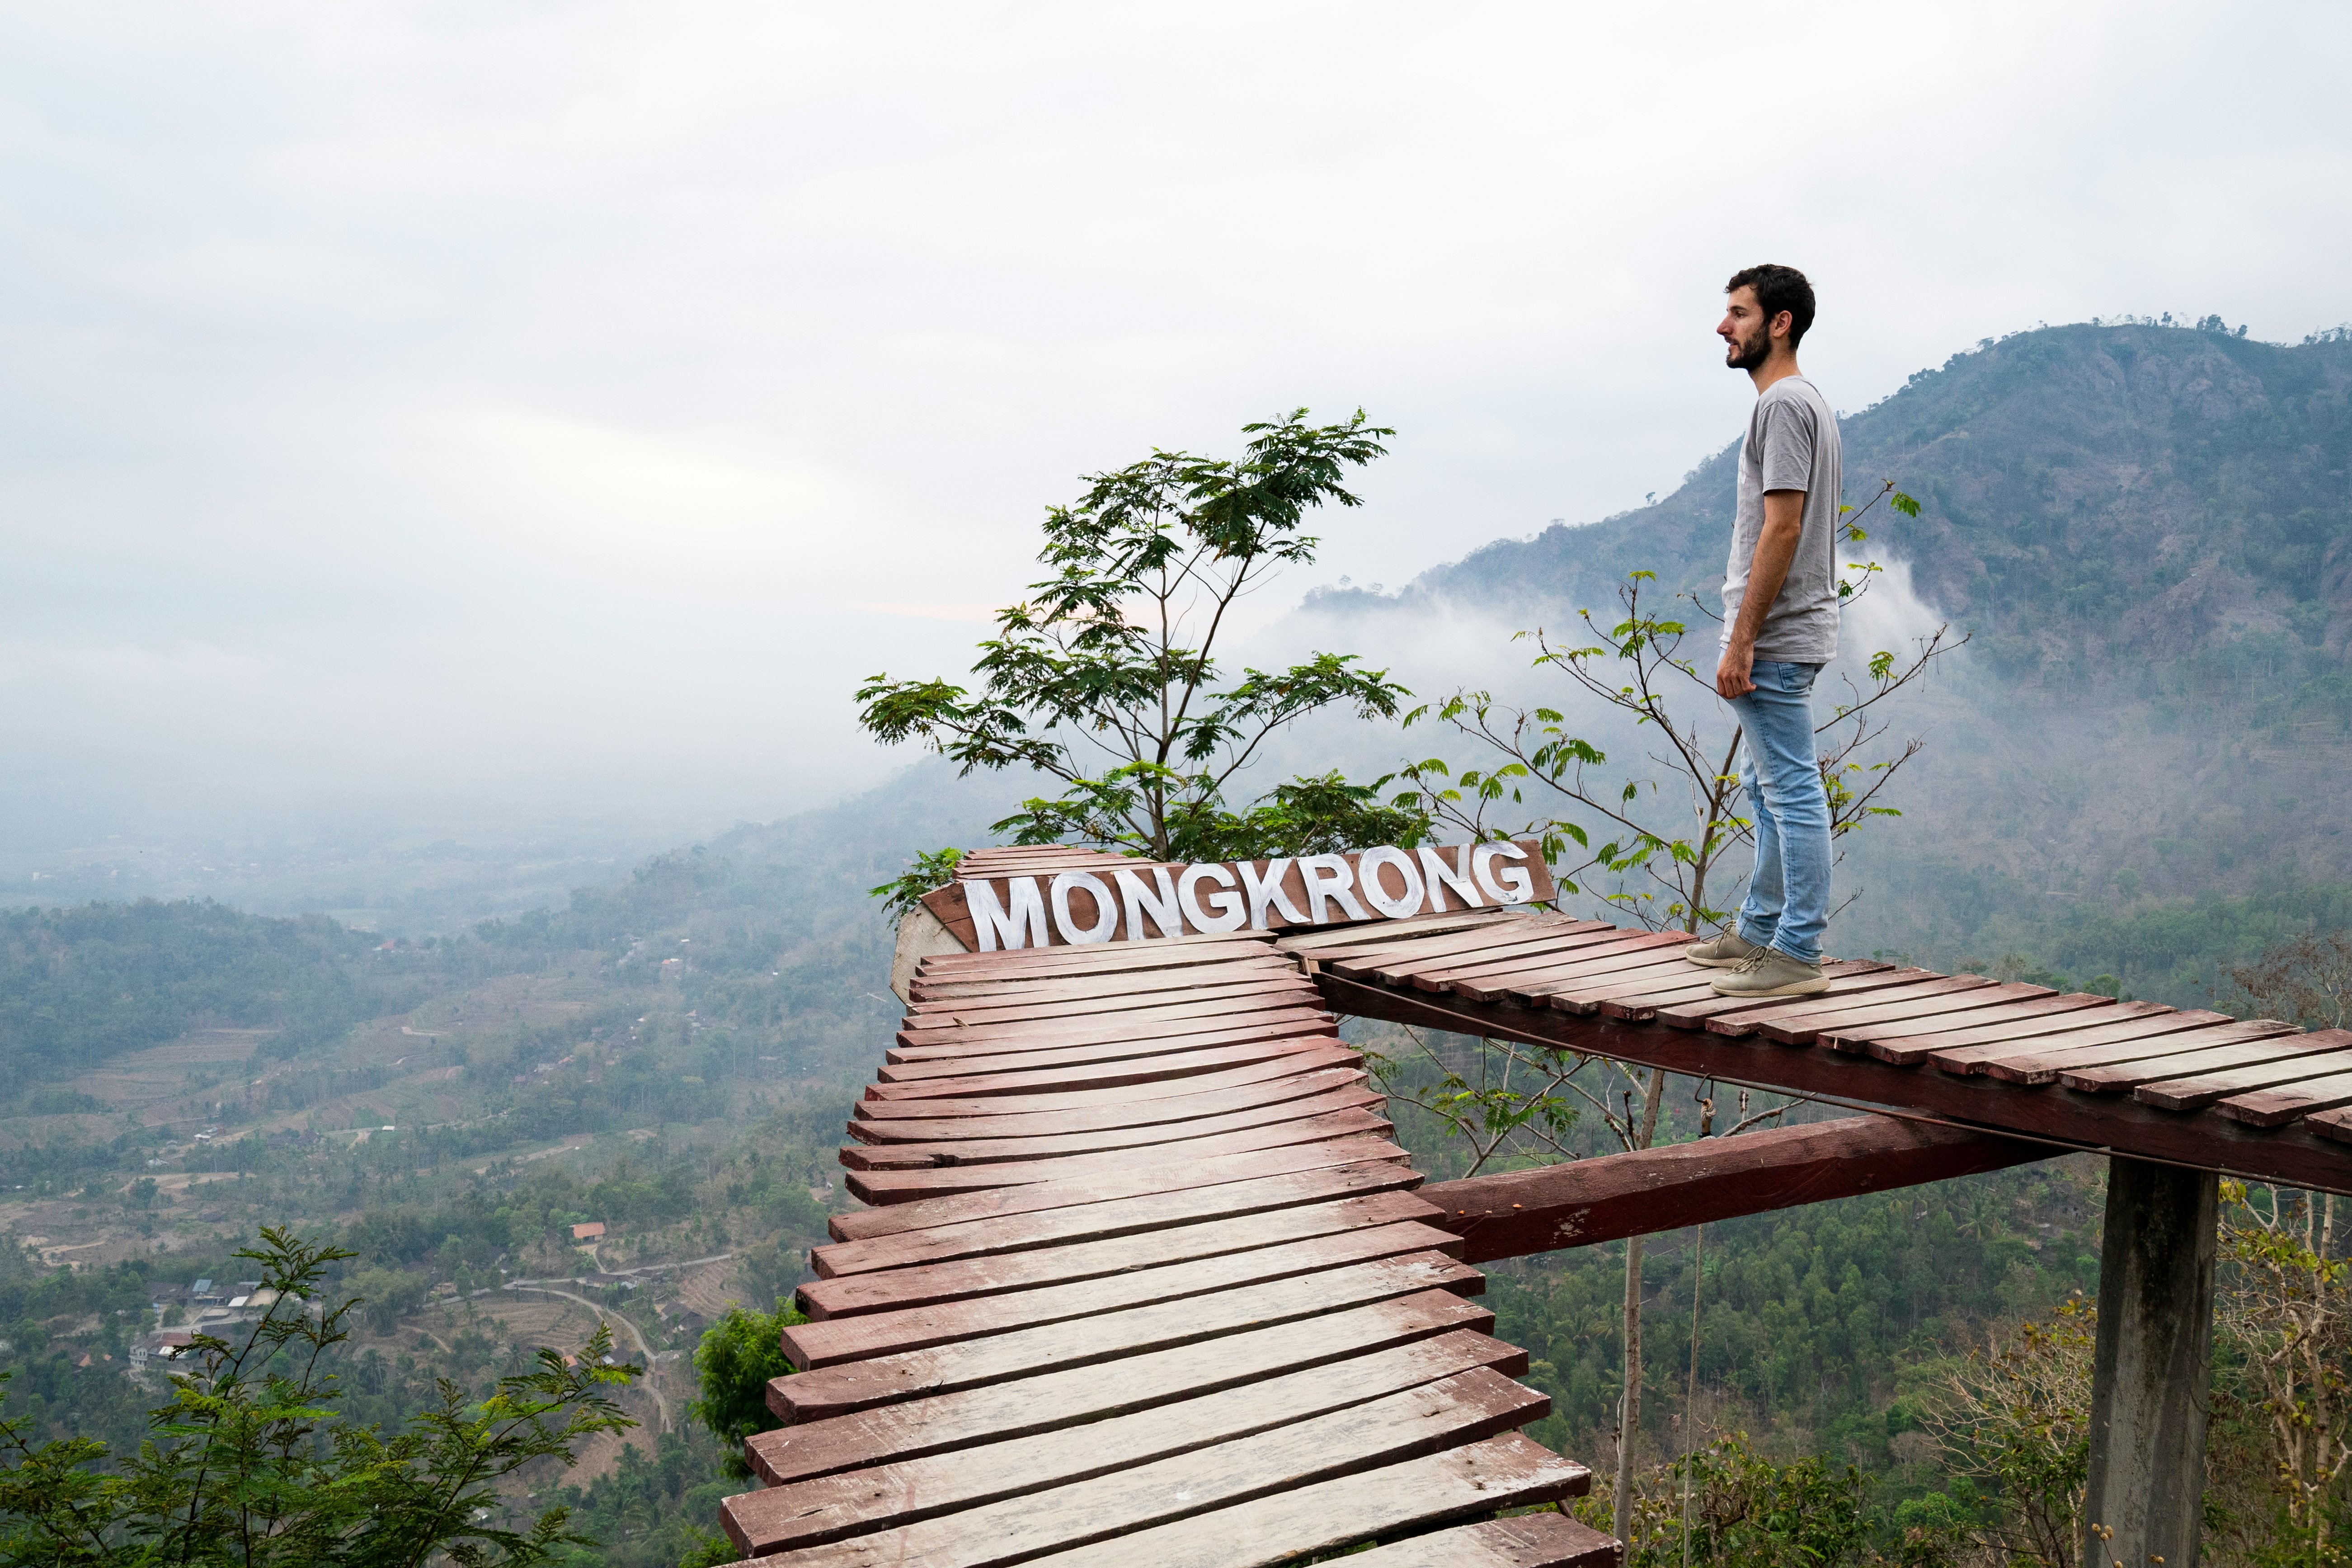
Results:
x,y
1120,1217
1697,1014
1131,1030
1026,1352
1086,1190
1312,1058
913,1064
2117,1077
892,1289
1078,1031
1311,943
1158,1113
1108,952
1637,999
831,1508
2290,1102
1069,1077
1970,1058
1049,1401
1503,1472
1920,1035
1135,958
984,1151
1527,1541
1117,983
1221,993
1959,994
1594,951
2333,1124
865,1335
2194,1093
1935,998
1450,1413
2044,1066
883,1187
1368,961
1646,963
1583,1202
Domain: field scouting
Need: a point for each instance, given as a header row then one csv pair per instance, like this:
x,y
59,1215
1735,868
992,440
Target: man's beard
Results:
x,y
1751,353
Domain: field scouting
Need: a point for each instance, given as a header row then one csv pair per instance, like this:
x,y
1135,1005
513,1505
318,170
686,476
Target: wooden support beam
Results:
x,y
2152,1366
1587,1201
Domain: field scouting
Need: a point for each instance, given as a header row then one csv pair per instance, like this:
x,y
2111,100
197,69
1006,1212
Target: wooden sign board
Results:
x,y
1145,900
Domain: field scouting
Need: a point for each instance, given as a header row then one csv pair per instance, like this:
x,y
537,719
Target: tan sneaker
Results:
x,y
1771,972
1729,950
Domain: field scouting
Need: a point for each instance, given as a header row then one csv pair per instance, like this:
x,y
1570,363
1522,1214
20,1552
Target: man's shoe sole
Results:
x,y
1800,988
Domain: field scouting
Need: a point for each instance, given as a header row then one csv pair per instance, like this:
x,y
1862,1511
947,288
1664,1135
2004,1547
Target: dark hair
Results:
x,y
1778,289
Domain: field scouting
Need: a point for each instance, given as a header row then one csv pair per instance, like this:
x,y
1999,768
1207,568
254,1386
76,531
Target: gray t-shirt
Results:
x,y
1791,444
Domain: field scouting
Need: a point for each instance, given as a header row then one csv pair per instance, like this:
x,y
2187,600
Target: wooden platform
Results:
x,y
1145,1281
2254,1099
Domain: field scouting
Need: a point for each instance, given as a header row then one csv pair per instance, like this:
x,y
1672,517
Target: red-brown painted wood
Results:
x,y
974,1363
1120,1217
905,1065
1078,1031
1698,1014
829,1508
1138,1180
1110,985
2203,1090
1312,1056
893,1290
2044,1067
1638,999
1920,1035
885,1187
1072,1075
1967,1057
857,1338
1525,1541
984,1151
1049,1401
1357,962
2290,1102
2314,1060
1584,1202
1927,998
1222,994
1158,1113
1435,1417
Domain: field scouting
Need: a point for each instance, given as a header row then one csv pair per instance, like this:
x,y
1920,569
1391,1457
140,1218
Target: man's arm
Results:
x,y
1776,546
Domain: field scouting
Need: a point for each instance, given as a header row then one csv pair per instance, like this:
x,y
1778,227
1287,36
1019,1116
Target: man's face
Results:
x,y
1747,334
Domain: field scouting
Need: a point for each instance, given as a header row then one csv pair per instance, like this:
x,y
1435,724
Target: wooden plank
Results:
x,y
2105,1125
1313,944
979,1016
1581,1202
1362,961
1971,1058
885,1187
1595,951
902,1065
989,1150
1313,1057
1503,1472
1049,1401
1525,1541
1920,1035
1044,960
1155,1113
893,1290
1120,1217
1026,1352
1574,972
1141,1181
2333,1124
1637,999
1077,1031
2290,1052
2289,1102
1925,1005
1067,1077
1696,1015
868,1334
1134,1031
1108,982
2325,1057
2044,1066
1928,998
1431,1418
830,1508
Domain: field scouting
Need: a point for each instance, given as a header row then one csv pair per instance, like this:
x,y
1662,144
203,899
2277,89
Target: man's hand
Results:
x,y
1732,676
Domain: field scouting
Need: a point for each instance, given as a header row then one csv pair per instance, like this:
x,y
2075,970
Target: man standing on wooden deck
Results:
x,y
1780,626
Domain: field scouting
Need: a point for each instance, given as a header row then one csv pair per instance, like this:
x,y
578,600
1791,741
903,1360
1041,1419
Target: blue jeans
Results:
x,y
1788,903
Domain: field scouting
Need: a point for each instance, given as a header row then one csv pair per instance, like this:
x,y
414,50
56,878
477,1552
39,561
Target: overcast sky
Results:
x,y
559,407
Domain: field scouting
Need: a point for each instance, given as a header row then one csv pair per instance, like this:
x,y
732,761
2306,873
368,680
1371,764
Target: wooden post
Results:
x,y
2150,1375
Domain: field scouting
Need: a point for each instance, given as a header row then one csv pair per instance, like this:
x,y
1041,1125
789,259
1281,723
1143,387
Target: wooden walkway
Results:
x,y
2251,1098
1144,1281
